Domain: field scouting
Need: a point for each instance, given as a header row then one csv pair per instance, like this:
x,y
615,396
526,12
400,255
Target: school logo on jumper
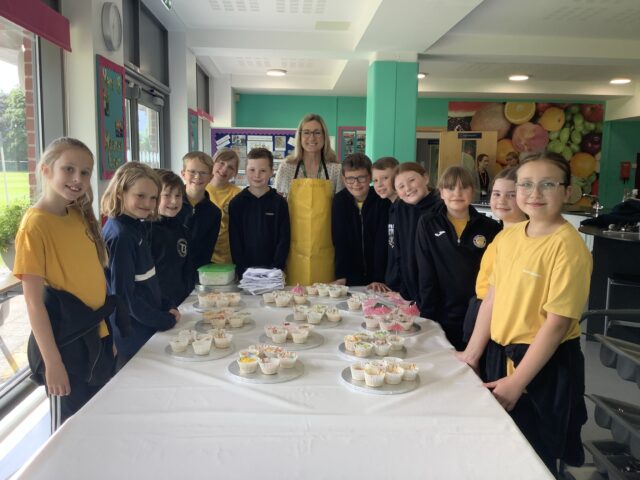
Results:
x,y
480,241
440,233
182,247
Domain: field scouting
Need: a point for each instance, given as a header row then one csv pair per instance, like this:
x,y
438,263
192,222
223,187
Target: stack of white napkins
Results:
x,y
257,281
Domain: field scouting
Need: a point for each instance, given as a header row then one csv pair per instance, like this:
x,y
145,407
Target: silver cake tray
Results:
x,y
345,308
189,355
352,356
273,304
385,389
198,308
248,325
229,288
283,375
314,340
324,323
414,330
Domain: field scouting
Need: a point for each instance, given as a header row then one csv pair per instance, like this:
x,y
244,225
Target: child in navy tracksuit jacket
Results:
x,y
450,242
131,198
359,226
201,217
259,229
170,242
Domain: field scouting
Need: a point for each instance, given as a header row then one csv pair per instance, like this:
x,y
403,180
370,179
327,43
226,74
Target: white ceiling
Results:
x,y
571,48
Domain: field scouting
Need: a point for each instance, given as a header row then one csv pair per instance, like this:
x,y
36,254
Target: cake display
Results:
x,y
265,363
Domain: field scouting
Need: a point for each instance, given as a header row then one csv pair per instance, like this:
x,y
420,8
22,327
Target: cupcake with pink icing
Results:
x,y
298,295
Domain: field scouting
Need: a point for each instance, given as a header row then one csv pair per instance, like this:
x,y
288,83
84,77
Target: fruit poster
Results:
x,y
573,130
111,117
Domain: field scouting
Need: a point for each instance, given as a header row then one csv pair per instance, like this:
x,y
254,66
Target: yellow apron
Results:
x,y
311,254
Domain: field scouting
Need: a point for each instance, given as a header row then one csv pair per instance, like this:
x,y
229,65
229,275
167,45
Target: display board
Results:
x,y
111,117
351,140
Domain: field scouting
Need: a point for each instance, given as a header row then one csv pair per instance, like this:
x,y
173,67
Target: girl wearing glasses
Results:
x,y
450,242
528,321
309,179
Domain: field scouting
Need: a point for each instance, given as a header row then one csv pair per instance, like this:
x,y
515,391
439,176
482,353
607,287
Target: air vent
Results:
x,y
333,26
240,6
306,7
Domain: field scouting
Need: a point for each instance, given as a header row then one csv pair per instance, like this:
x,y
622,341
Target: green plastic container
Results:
x,y
217,274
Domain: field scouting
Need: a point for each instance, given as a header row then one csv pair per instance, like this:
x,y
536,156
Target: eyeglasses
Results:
x,y
197,173
360,179
546,187
315,133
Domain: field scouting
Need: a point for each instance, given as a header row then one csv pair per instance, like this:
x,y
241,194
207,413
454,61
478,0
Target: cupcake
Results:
x,y
283,300
207,300
335,291
298,295
406,323
312,290
380,335
396,342
188,335
363,337
344,290
222,301
373,375
411,310
178,345
333,315
267,330
202,346
314,317
381,347
323,290
353,304
208,316
247,364
363,349
410,371
386,324
393,374
300,335
350,343
392,360
278,335
287,359
234,298
248,352
371,322
269,366
357,371
222,339
219,322
269,297
305,328
236,321
300,313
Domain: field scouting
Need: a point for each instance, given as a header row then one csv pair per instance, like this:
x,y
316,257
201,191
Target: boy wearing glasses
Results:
x,y
201,217
359,227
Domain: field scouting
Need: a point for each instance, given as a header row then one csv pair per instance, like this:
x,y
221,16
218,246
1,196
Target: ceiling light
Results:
x,y
421,75
276,72
519,78
620,81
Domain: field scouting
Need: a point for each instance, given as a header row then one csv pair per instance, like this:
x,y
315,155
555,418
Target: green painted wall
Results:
x,y
621,142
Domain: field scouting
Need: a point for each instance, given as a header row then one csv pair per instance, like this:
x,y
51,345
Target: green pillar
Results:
x,y
392,97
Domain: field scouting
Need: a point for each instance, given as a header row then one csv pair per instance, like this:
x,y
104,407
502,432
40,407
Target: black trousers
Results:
x,y
64,407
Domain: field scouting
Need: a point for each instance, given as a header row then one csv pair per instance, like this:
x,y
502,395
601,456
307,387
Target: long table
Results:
x,y
162,418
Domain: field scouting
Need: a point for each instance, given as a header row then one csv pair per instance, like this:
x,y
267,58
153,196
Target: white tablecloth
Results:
x,y
161,418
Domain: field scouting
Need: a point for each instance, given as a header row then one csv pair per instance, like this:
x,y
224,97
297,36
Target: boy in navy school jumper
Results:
x,y
359,227
415,199
383,173
450,241
170,241
259,229
201,217
130,199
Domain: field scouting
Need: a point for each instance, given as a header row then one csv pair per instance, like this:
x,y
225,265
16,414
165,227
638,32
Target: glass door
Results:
x,y
145,114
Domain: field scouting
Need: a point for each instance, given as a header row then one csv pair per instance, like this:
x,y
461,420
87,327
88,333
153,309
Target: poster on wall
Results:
x,y
573,130
351,140
193,130
280,142
111,117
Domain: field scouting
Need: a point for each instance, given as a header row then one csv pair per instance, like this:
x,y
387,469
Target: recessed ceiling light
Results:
x,y
276,72
620,81
518,78
421,75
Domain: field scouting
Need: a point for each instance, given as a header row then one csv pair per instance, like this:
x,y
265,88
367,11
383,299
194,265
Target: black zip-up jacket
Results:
x,y
360,237
406,221
448,266
75,329
392,274
203,224
170,250
259,230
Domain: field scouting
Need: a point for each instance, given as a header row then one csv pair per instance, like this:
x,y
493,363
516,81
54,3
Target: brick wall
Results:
x,y
28,59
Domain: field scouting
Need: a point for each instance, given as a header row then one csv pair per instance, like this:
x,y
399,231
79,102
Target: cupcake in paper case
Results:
x,y
392,360
357,371
363,349
236,321
396,342
219,322
188,335
380,335
222,339
333,315
178,345
393,374
363,337
371,322
354,304
410,371
373,375
269,366
314,317
202,346
381,347
335,291
208,316
298,295
287,359
207,300
312,290
222,301
300,313
305,328
300,336
406,323
248,352
248,364
344,290
283,299
234,298
386,324
350,343
279,335
411,310
323,290
269,297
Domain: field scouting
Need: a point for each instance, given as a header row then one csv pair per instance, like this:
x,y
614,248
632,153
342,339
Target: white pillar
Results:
x,y
224,104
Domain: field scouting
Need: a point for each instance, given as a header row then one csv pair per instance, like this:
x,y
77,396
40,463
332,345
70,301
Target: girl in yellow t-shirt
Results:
x,y
59,251
528,320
